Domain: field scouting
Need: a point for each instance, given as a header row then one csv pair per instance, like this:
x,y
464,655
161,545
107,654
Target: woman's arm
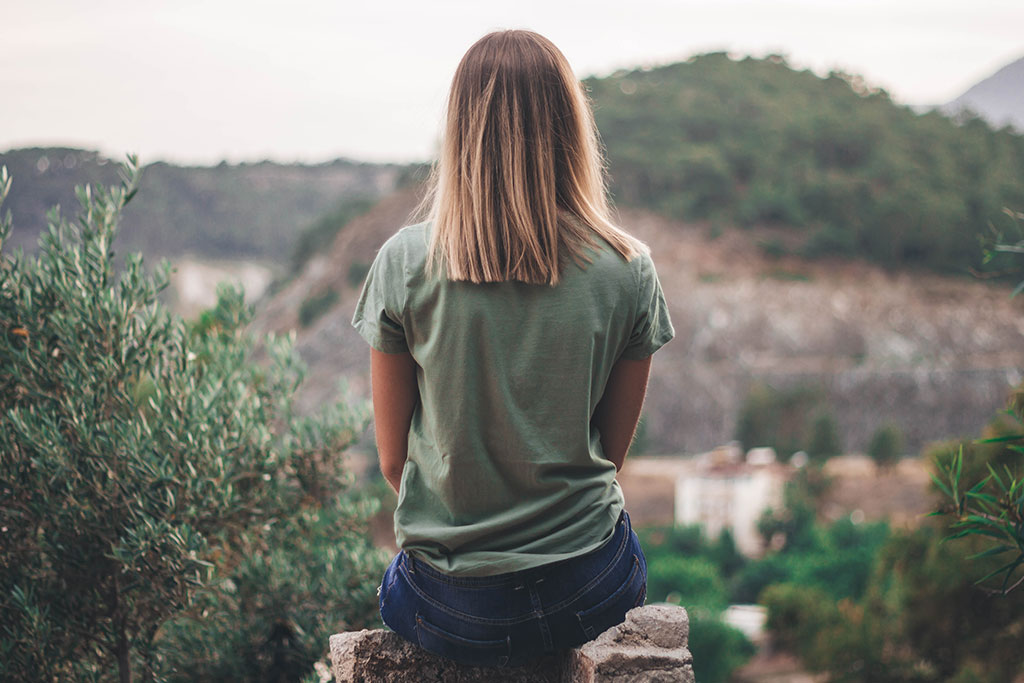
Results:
x,y
618,411
393,382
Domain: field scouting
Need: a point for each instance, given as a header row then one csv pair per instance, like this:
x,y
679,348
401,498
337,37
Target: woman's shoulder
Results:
x,y
636,268
407,247
410,239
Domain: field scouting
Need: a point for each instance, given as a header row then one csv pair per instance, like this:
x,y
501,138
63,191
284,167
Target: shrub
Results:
x,y
886,444
144,460
691,581
314,306
823,441
357,272
720,649
776,417
796,614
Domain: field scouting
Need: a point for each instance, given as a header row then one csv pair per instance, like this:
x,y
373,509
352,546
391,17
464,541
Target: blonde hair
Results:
x,y
519,186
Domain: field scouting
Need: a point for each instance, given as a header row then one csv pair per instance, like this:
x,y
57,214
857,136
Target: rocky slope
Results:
x,y
934,355
250,210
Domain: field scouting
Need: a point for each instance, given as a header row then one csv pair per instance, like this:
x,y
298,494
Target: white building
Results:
x,y
723,490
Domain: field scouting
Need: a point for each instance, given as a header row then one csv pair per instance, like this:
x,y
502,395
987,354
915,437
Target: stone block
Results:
x,y
649,646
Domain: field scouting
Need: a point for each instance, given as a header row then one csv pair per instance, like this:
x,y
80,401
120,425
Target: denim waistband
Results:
x,y
622,527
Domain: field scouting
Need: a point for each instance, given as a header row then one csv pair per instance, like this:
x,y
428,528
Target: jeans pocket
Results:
x,y
612,610
492,653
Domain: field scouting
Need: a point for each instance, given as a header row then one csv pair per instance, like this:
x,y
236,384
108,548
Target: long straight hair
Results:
x,y
519,186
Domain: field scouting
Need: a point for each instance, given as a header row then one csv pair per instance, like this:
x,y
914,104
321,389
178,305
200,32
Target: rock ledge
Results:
x,y
649,647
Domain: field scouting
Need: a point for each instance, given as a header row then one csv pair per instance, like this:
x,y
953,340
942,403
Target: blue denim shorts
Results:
x,y
510,619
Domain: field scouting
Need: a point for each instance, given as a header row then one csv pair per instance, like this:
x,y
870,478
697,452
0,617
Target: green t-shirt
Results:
x,y
505,470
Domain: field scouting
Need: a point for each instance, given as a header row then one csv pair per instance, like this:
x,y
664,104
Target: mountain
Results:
x,y
999,99
252,210
933,354
836,163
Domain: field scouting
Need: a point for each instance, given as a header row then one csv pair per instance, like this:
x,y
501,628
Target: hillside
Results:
x,y
934,354
225,211
842,168
999,99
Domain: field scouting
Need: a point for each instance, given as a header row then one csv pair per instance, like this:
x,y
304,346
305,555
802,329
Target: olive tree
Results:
x,y
144,459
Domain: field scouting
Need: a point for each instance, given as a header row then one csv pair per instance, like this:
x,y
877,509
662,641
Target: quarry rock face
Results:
x,y
649,647
935,355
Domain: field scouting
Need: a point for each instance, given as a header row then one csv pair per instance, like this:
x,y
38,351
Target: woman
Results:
x,y
511,338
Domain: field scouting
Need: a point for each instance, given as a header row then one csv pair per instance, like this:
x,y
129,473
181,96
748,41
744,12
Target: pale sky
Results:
x,y
199,81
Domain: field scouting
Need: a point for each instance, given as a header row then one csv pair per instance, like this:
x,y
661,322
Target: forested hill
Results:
x,y
252,210
839,165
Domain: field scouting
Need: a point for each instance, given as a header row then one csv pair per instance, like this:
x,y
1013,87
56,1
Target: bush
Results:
x,y
357,272
145,461
823,441
777,417
314,306
796,614
321,233
691,581
720,649
886,444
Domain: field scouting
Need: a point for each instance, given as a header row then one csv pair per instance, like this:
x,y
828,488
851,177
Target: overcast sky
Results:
x,y
198,81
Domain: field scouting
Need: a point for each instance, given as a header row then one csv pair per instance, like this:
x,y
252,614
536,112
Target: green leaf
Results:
x,y
1002,439
996,550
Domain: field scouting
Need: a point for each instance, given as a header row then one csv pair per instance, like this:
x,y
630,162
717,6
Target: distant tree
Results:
x,y
795,522
797,613
823,441
776,417
320,234
314,306
143,461
722,648
724,554
886,445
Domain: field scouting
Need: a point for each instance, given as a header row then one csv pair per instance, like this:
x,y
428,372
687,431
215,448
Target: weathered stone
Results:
x,y
385,657
650,646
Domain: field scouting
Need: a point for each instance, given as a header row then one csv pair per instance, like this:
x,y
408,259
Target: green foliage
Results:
x,y
797,613
315,305
990,503
920,620
720,649
285,595
824,441
321,233
248,210
886,445
1005,250
837,560
691,581
992,506
847,170
795,524
144,462
778,417
684,567
920,616
357,272
828,240
773,248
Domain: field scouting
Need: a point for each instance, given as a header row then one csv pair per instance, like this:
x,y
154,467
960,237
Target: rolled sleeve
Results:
x,y
652,327
380,310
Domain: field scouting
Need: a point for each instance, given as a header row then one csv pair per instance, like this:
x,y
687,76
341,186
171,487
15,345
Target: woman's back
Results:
x,y
505,470
512,334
